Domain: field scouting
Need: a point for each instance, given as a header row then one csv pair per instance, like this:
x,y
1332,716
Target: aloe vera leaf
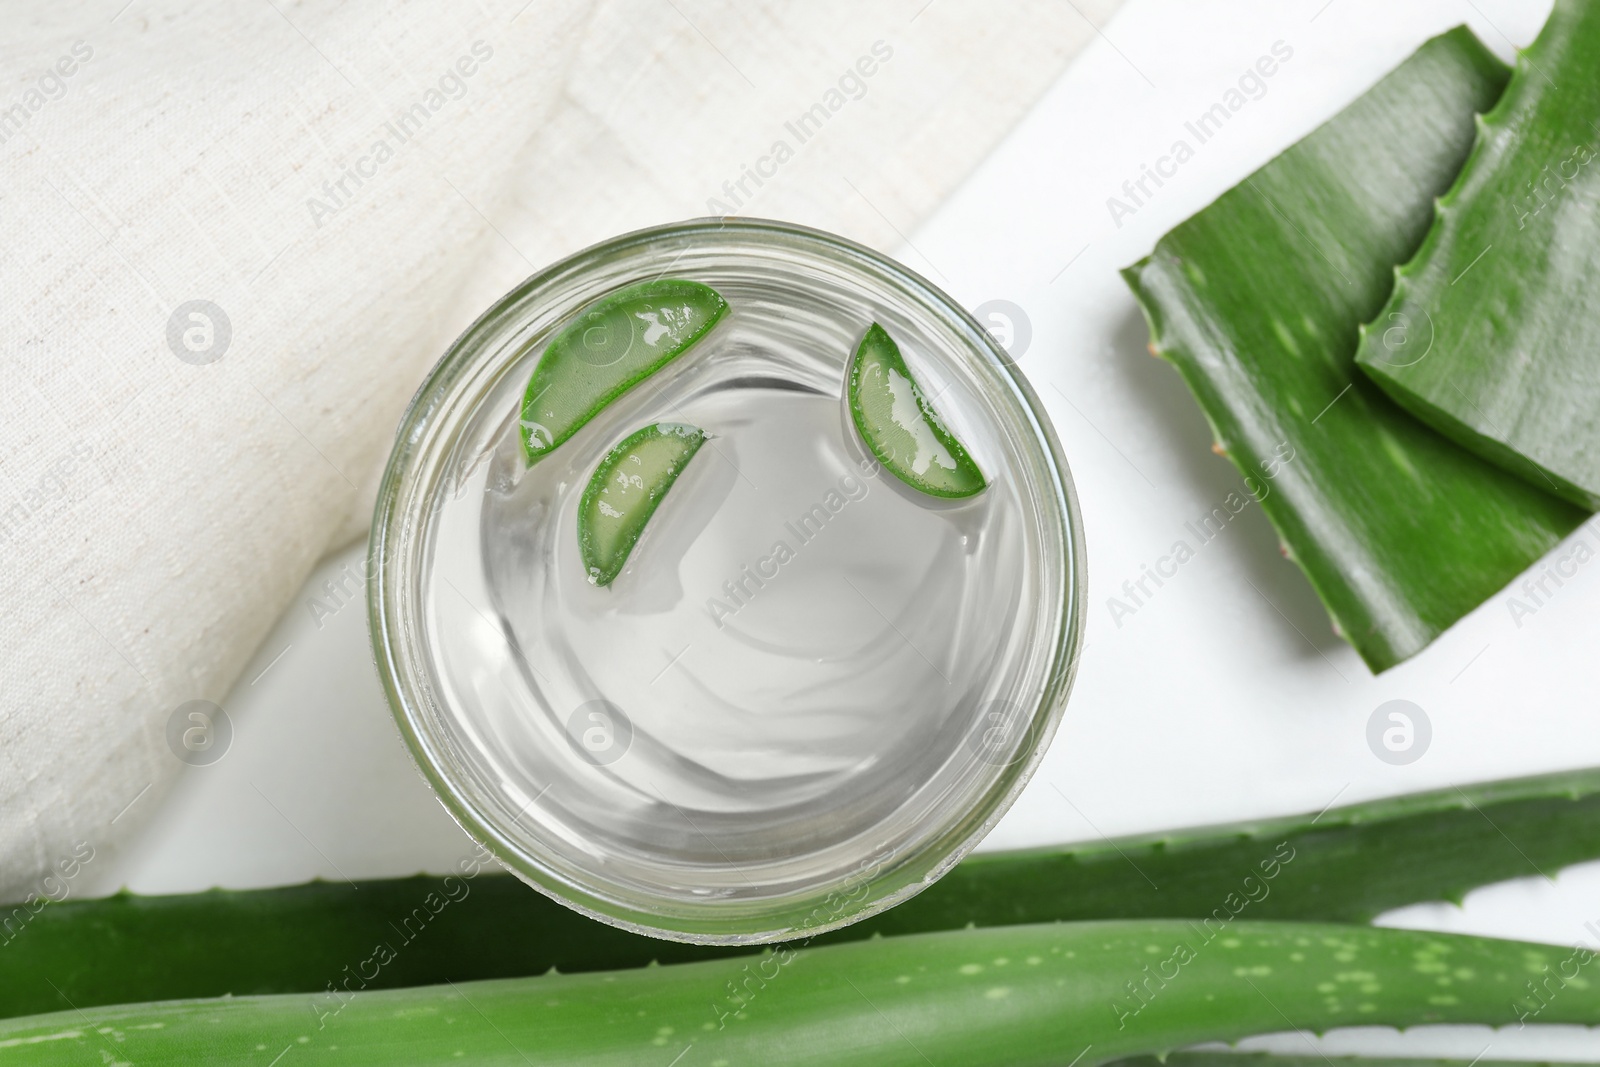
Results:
x,y
607,349
1492,334
1219,1058
901,426
1349,864
1257,301
1016,996
624,491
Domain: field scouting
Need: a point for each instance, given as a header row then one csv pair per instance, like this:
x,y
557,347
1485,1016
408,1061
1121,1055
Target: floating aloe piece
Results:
x,y
1492,335
901,427
1257,301
1048,994
611,346
625,490
1345,864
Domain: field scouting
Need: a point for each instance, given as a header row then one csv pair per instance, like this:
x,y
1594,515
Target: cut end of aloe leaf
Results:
x,y
1257,301
611,346
901,427
625,490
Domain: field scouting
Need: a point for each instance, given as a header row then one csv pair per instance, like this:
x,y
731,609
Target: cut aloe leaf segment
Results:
x,y
901,427
1257,301
625,490
1492,332
611,346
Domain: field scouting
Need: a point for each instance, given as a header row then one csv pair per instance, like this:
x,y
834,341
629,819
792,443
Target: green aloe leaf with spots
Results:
x,y
1257,300
1054,994
1492,335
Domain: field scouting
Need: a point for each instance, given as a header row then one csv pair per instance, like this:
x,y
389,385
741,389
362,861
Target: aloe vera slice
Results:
x,y
1492,335
900,425
1048,994
1257,301
1348,864
613,345
625,490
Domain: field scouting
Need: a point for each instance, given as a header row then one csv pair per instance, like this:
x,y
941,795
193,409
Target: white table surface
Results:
x,y
1225,697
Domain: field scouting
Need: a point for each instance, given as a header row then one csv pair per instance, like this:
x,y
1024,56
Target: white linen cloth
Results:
x,y
235,236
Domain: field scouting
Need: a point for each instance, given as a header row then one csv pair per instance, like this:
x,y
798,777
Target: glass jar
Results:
x,y
734,742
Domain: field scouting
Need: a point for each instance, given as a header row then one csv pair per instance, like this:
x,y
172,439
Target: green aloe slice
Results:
x,y
625,490
1257,301
1492,335
901,427
613,345
1343,864
1053,994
